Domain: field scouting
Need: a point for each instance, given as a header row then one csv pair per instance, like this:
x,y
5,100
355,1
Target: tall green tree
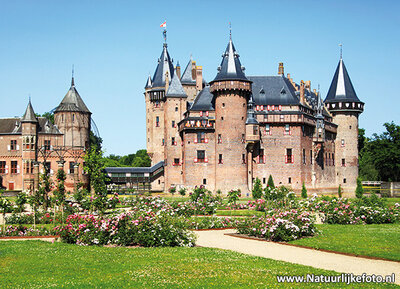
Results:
x,y
257,189
270,182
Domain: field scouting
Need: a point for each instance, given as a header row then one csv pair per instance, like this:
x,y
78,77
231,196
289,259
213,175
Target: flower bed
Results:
x,y
280,226
200,223
144,229
23,231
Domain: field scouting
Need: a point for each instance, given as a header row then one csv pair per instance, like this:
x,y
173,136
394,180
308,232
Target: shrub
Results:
x,y
304,191
21,201
359,189
172,190
340,191
257,189
182,191
233,196
270,182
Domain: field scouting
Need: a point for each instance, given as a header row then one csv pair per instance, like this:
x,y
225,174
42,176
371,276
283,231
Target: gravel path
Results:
x,y
308,257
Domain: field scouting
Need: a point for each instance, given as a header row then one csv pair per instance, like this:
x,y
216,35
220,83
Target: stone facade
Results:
x,y
226,133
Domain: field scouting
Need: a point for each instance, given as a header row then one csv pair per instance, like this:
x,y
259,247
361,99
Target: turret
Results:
x,y
231,90
73,119
345,107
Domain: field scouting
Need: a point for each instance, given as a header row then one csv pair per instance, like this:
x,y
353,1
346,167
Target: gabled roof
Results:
x,y
13,126
341,88
175,89
187,77
273,90
164,65
29,115
72,101
203,100
230,68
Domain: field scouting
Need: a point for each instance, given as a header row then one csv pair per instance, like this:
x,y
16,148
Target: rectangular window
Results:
x,y
176,108
333,158
176,162
173,123
243,138
261,157
267,129
14,167
311,160
343,162
13,145
220,161
263,180
2,167
201,156
47,165
287,130
243,158
304,156
289,156
163,142
204,181
157,121
219,138
47,145
342,143
255,130
173,142
201,137
71,167
289,180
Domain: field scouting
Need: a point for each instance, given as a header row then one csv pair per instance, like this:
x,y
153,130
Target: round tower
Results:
x,y
345,107
231,90
73,119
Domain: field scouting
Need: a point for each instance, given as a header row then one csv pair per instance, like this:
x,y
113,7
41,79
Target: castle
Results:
x,y
30,145
225,133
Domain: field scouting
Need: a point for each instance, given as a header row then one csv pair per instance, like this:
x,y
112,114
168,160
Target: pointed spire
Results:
x,y
340,50
72,101
341,88
187,76
230,68
175,89
72,79
29,115
148,83
164,65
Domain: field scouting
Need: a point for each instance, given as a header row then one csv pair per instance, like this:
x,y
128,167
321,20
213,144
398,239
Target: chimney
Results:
x,y
308,85
199,78
281,70
291,81
193,70
302,92
315,91
166,82
178,71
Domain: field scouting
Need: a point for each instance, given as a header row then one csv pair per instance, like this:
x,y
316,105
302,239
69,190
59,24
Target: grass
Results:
x,y
34,264
369,240
247,213
391,201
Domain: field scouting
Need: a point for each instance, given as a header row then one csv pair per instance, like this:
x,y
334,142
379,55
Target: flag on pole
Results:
x,y
164,24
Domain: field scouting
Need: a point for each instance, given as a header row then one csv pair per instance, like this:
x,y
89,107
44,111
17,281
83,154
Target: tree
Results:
x,y
94,167
340,191
257,189
182,191
21,201
233,196
304,191
381,155
359,189
5,207
270,182
59,193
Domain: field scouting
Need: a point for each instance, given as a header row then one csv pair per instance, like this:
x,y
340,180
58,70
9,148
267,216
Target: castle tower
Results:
x,y
155,91
175,106
73,119
231,90
29,123
345,107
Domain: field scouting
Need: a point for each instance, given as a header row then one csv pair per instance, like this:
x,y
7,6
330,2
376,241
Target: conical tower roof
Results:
x,y
148,83
341,89
230,68
72,101
175,89
29,115
187,77
164,65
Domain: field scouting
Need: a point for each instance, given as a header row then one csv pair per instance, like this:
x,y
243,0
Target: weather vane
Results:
x,y
164,25
230,30
340,50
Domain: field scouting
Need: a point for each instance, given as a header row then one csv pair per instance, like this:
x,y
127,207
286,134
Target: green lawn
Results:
x,y
248,213
368,240
34,264
392,201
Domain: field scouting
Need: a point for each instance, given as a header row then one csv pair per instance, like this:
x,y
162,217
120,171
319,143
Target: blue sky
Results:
x,y
114,45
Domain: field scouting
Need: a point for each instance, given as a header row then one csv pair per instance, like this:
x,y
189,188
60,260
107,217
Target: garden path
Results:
x,y
303,256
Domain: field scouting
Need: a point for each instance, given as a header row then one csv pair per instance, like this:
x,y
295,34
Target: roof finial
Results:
x,y
72,79
29,97
164,25
230,31
340,50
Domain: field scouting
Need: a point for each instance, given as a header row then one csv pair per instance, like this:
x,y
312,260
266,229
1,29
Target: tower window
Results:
x,y
173,123
204,181
349,126
222,118
343,162
289,156
311,160
333,158
163,142
263,180
261,157
73,117
201,137
176,162
304,156
157,121
344,180
243,158
219,138
220,161
173,142
176,108
201,156
255,130
243,138
289,180
342,142
223,104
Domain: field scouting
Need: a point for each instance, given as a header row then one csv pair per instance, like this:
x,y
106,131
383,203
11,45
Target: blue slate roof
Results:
x,y
187,77
341,88
175,89
135,169
273,90
203,100
72,101
164,65
29,115
230,68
